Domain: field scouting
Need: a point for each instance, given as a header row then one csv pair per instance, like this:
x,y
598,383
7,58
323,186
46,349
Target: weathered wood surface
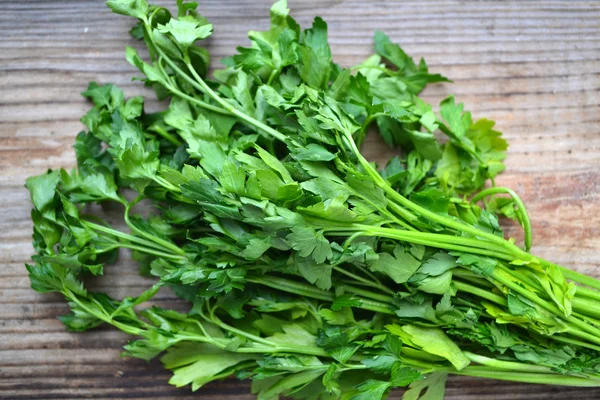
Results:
x,y
532,66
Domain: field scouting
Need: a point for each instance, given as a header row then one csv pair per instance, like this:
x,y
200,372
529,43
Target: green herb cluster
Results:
x,y
307,269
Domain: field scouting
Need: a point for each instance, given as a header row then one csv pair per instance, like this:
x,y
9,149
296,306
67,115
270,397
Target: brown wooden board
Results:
x,y
533,66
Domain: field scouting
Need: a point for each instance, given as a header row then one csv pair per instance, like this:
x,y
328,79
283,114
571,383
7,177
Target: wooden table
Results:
x,y
532,66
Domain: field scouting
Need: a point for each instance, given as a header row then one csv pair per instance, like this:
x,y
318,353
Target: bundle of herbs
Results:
x,y
306,268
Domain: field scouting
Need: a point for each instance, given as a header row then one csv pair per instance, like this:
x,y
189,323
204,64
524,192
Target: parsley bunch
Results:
x,y
306,268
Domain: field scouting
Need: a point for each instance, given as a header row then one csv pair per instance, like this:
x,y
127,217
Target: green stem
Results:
x,y
294,349
407,215
180,72
471,277
575,342
585,292
582,335
232,110
403,201
590,309
196,101
574,275
253,348
293,287
310,291
375,306
363,280
100,315
368,294
591,333
273,75
153,252
587,307
507,365
362,133
166,184
485,294
548,379
172,139
587,318
371,275
240,332
422,355
165,244
435,239
520,207
424,366
121,235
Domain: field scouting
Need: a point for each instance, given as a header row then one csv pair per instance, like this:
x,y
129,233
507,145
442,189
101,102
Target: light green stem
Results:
x,y
520,207
587,331
506,365
164,243
363,280
232,110
485,294
548,379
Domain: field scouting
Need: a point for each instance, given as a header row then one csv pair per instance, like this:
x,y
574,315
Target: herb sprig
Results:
x,y
307,269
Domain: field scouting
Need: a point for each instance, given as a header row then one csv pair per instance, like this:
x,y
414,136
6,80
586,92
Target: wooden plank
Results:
x,y
531,66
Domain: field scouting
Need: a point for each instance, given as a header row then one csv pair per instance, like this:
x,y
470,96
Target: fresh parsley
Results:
x,y
306,268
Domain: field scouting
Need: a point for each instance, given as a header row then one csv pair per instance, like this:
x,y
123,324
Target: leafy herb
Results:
x,y
306,269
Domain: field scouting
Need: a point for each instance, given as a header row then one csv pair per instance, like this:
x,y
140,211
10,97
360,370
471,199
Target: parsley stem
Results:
x,y
273,75
435,238
170,138
230,328
181,73
363,280
549,379
587,307
582,335
425,242
584,330
292,348
485,294
166,184
374,277
424,365
471,277
442,241
196,101
575,276
387,213
407,215
421,355
508,365
293,287
368,294
101,315
232,110
522,210
575,342
375,306
121,235
302,289
403,201
153,252
164,243
585,292
362,133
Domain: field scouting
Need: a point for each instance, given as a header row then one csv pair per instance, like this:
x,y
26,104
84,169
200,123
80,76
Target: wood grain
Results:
x,y
532,66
